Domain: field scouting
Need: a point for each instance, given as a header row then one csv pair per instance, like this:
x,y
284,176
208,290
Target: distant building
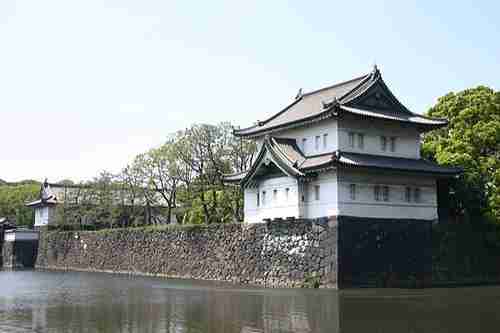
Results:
x,y
7,223
44,206
350,149
52,195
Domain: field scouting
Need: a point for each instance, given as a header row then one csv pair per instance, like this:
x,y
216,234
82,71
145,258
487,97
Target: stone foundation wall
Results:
x,y
273,254
384,252
338,252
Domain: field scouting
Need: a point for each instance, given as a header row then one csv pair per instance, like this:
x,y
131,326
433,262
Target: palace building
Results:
x,y
351,149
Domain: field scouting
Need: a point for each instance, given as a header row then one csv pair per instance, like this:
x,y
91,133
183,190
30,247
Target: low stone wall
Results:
x,y
274,254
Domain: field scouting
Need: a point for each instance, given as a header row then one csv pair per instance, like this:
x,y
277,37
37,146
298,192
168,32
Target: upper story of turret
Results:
x,y
356,116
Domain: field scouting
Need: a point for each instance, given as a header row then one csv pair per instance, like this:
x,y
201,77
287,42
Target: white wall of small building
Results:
x,y
365,205
407,138
326,204
335,199
44,215
272,207
281,207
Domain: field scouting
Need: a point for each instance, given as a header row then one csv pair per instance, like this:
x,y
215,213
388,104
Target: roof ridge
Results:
x,y
360,88
336,85
377,79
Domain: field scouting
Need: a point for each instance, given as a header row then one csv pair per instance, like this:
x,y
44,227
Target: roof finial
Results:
x,y
299,94
375,69
45,192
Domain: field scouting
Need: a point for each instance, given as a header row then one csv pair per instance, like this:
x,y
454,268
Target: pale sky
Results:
x,y
87,85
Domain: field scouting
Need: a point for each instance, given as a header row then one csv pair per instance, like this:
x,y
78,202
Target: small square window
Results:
x,y
416,194
317,140
316,192
393,144
408,194
361,141
376,192
383,143
351,139
304,145
352,191
325,141
386,193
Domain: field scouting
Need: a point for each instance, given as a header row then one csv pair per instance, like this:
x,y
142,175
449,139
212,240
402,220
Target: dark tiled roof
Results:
x,y
410,118
288,156
314,106
288,147
313,162
394,163
307,106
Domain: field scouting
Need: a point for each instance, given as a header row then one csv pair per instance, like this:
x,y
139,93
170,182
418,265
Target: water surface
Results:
x,y
46,301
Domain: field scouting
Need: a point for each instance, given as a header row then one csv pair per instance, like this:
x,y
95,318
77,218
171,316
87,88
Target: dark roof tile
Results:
x,y
394,163
310,107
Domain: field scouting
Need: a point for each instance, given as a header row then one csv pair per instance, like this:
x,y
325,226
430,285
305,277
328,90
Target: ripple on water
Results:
x,y
45,301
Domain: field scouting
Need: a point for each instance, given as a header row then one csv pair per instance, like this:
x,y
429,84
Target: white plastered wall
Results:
x,y
44,215
365,205
273,207
310,132
327,203
407,137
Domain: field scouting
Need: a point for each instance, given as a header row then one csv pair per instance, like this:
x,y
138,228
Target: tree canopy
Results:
x,y
183,178
13,199
471,141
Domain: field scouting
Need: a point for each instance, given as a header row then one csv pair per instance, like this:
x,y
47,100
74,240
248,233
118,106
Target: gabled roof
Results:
x,y
287,156
366,96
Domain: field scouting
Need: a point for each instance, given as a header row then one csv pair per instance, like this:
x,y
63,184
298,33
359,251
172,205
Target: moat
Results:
x,y
48,301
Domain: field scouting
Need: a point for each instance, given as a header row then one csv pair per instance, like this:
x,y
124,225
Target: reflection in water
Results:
x,y
43,301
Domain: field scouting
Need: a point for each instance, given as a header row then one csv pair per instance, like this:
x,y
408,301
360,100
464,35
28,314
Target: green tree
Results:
x,y
157,174
471,141
13,199
208,152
